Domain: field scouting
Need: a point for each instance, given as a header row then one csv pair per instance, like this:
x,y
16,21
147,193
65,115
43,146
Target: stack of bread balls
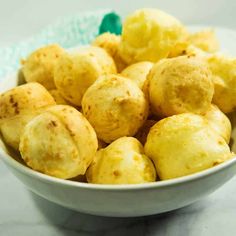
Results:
x,y
144,106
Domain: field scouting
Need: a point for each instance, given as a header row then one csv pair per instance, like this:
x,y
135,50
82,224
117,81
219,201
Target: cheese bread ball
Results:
x,y
58,97
219,122
138,73
75,72
190,51
179,85
193,51
144,130
179,49
110,42
39,66
224,78
205,40
122,162
149,35
59,142
18,106
184,144
115,107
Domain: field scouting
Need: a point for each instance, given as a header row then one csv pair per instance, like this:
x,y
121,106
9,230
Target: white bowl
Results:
x,y
121,200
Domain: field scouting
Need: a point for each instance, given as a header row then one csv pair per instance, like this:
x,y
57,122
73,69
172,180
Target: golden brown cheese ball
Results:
x,y
149,35
205,40
122,162
75,72
184,144
193,51
224,78
58,97
179,49
188,50
219,122
138,73
18,106
39,66
110,42
115,107
180,85
59,142
144,130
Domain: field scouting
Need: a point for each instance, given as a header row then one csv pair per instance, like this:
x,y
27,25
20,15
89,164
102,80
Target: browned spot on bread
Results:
x,y
15,105
11,100
220,142
116,173
52,124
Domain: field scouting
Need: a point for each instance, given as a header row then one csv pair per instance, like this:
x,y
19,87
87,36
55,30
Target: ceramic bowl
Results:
x,y
122,200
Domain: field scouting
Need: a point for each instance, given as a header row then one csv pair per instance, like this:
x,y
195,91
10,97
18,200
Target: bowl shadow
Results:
x,y
71,223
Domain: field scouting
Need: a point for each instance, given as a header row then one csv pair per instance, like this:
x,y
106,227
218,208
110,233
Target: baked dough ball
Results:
x,y
75,72
138,73
189,50
122,162
110,42
115,107
149,35
58,98
184,144
219,122
205,40
59,142
180,85
39,65
193,51
144,130
224,78
179,49
18,106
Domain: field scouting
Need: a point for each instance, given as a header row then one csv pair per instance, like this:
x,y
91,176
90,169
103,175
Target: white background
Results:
x,y
21,18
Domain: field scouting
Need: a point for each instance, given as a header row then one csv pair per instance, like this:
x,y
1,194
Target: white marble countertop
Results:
x,y
22,213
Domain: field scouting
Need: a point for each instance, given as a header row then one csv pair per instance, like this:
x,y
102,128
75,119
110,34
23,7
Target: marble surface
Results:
x,y
22,213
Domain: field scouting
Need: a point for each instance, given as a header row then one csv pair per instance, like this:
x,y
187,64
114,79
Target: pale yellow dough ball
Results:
x,y
75,72
58,97
59,142
206,40
122,162
184,144
224,78
115,107
219,122
149,35
110,42
39,65
193,51
138,73
179,85
188,50
18,106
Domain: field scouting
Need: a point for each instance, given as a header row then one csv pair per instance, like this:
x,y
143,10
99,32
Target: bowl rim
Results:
x,y
117,187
